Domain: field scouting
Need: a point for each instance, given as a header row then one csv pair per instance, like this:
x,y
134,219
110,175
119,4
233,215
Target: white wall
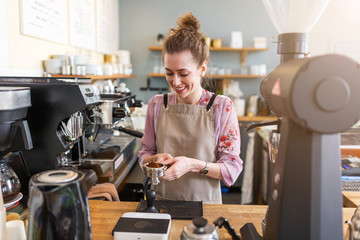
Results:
x,y
338,30
26,53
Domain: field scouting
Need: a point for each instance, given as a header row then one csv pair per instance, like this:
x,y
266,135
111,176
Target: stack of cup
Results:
x,y
125,66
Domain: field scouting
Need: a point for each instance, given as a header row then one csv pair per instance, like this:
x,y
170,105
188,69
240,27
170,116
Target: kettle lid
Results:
x,y
199,229
57,176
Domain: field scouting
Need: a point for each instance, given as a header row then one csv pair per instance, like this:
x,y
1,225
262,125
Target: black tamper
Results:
x,y
150,200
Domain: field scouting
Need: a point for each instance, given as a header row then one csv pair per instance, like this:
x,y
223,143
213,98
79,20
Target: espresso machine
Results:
x,y
14,105
70,129
118,147
315,99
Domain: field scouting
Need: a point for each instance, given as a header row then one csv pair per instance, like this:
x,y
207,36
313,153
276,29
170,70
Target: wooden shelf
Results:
x,y
216,76
256,118
95,77
224,49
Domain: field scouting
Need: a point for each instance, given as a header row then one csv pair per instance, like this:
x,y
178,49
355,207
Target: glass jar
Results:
x,y
10,183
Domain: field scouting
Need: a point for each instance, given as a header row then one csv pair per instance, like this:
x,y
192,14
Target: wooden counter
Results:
x,y
104,216
351,199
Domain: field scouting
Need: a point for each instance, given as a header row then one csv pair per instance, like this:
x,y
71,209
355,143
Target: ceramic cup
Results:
x,y
15,230
53,66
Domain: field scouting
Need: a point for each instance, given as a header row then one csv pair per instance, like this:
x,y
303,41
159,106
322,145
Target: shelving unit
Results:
x,y
227,77
223,81
224,49
216,76
256,118
96,77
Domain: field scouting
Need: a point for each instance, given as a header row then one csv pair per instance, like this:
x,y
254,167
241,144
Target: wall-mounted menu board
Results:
x,y
46,19
93,24
82,24
107,26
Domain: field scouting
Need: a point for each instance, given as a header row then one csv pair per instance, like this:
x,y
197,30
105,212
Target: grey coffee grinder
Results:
x,y
316,98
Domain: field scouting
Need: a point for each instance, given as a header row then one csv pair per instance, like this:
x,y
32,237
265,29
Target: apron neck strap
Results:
x,y
211,102
165,100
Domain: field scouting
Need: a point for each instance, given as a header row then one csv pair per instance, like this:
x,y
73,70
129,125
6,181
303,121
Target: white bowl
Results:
x,y
53,66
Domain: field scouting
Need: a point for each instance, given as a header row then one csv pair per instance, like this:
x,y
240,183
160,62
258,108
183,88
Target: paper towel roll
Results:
x,y
124,57
240,106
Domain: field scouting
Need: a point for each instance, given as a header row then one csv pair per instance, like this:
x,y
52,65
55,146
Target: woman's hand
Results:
x,y
160,157
180,166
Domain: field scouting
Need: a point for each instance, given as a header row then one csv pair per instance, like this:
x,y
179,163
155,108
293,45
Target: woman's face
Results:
x,y
183,74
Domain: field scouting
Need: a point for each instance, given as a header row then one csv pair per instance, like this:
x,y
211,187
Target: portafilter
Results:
x,y
154,170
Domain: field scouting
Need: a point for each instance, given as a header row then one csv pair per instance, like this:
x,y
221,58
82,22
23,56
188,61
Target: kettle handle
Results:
x,y
220,221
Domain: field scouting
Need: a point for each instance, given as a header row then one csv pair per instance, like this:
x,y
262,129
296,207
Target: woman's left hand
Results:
x,y
179,166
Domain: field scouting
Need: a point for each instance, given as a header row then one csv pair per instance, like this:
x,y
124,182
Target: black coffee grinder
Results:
x,y
14,104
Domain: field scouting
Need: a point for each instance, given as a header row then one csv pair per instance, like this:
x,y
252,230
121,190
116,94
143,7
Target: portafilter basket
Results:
x,y
154,170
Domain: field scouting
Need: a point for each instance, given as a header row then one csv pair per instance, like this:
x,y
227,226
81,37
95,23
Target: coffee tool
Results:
x,y
154,170
145,226
150,202
200,229
311,95
58,206
14,105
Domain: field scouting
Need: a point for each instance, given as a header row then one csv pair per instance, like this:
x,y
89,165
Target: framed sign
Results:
x,y
45,19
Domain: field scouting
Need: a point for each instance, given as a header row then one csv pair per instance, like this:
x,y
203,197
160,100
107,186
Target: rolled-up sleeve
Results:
x,y
228,142
148,141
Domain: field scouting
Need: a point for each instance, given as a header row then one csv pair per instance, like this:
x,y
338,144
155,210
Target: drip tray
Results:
x,y
184,210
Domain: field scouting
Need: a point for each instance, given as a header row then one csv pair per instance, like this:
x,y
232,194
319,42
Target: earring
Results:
x,y
203,74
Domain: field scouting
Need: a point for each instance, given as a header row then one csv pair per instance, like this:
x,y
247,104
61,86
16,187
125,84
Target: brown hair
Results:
x,y
187,37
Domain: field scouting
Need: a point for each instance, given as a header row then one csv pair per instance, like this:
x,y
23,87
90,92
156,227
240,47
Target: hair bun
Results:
x,y
188,21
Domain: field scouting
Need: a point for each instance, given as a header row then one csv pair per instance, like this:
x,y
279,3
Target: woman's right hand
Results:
x,y
160,157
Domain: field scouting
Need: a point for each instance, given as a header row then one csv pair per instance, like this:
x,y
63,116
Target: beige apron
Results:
x,y
188,130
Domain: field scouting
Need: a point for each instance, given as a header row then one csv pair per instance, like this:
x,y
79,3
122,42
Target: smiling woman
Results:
x,y
184,76
192,130
187,38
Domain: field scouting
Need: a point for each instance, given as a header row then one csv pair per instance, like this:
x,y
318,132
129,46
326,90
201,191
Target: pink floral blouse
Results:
x,y
227,134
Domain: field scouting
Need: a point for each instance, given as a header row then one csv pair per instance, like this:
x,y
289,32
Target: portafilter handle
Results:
x,y
130,131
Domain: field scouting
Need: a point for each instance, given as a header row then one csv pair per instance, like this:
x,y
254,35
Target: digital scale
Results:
x,y
142,226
